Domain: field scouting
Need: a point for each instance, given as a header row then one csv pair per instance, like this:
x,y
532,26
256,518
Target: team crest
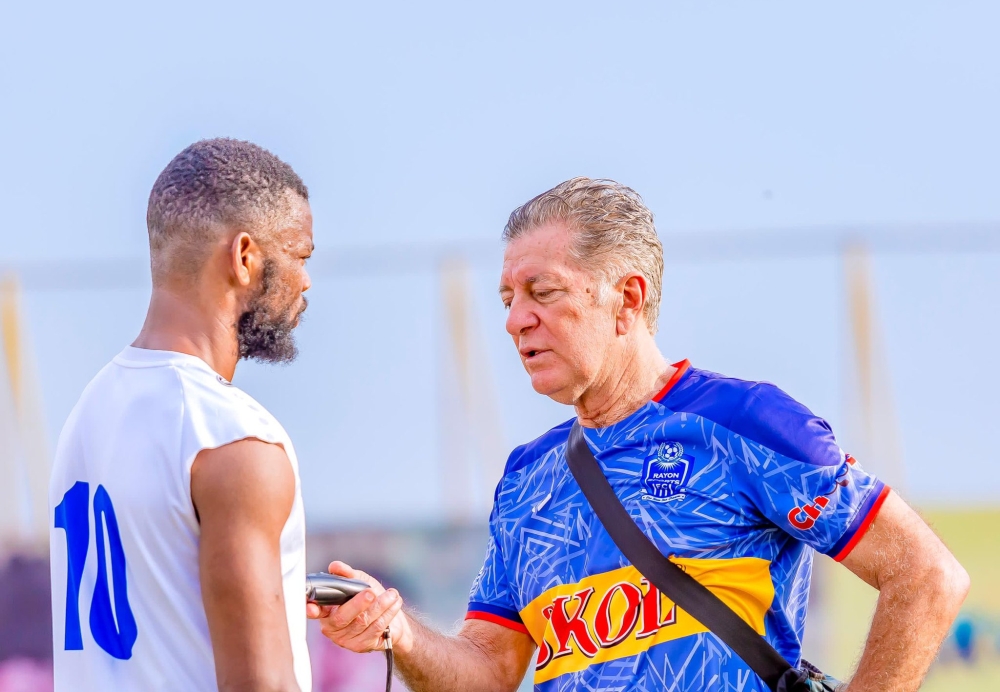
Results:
x,y
665,473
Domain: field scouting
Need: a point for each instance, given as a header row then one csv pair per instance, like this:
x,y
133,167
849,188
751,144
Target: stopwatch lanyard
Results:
x,y
387,637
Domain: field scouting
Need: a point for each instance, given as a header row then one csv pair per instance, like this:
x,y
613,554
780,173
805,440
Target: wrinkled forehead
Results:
x,y
540,253
525,271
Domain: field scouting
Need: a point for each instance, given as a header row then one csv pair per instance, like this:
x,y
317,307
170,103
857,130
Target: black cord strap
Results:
x,y
387,636
670,579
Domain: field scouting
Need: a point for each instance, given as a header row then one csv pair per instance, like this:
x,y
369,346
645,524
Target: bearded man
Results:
x,y
192,573
735,481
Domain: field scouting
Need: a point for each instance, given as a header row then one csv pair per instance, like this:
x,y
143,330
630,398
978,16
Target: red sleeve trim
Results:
x,y
497,620
863,529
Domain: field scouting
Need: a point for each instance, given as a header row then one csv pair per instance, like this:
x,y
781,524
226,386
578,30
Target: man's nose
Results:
x,y
306,281
520,317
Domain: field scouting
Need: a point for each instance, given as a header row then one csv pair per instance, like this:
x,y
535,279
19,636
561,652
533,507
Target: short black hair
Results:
x,y
216,183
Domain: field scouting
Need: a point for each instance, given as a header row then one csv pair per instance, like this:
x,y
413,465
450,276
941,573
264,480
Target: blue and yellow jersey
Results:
x,y
734,480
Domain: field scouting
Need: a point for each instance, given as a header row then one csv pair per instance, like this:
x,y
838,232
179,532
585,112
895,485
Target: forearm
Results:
x,y
912,618
433,662
483,657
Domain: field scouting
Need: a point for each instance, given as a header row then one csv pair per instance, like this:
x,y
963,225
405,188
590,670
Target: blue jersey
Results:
x,y
734,480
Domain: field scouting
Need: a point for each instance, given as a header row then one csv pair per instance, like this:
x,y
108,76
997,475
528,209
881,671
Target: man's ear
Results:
x,y
633,291
244,256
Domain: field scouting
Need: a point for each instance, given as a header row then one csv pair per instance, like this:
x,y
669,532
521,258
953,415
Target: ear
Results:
x,y
633,292
244,256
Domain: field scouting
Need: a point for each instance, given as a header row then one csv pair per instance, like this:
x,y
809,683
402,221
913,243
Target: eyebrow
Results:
x,y
531,280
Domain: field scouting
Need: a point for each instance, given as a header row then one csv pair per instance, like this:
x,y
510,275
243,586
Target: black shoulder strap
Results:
x,y
670,579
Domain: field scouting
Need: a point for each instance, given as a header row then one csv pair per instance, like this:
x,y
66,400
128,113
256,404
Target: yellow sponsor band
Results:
x,y
618,614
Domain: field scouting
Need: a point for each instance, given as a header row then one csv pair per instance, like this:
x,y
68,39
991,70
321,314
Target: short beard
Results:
x,y
262,336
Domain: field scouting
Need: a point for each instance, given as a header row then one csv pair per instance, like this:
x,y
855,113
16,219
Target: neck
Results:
x,y
641,373
185,321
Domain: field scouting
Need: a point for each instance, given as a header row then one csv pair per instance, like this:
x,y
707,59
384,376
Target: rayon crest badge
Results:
x,y
665,472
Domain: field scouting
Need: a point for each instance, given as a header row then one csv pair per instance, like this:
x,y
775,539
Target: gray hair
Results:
x,y
613,230
212,184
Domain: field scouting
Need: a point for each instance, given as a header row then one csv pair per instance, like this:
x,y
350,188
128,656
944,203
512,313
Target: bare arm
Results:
x,y
482,657
243,493
921,587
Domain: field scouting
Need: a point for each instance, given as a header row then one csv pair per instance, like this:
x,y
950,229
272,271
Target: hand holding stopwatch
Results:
x,y
329,590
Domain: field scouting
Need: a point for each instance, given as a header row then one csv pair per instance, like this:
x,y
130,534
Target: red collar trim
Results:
x,y
682,368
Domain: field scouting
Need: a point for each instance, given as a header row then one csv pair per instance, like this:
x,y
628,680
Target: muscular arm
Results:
x,y
921,587
243,493
482,657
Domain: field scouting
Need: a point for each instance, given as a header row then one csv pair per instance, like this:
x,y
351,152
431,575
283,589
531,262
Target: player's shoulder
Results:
x,y
210,407
758,411
531,452
217,413
202,389
92,402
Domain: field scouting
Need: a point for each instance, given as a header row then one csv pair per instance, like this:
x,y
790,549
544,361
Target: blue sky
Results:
x,y
419,123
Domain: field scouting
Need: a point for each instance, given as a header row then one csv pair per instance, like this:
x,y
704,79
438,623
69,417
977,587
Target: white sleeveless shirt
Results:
x,y
126,597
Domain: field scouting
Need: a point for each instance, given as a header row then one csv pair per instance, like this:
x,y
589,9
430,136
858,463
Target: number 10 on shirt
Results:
x,y
115,637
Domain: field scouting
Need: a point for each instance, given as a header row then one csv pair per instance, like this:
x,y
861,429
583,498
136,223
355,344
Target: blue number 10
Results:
x,y
71,515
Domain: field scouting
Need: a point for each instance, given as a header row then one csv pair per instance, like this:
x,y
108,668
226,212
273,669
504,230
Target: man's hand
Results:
x,y
358,625
483,657
921,587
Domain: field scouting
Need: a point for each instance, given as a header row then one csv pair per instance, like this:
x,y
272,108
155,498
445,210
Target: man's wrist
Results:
x,y
403,640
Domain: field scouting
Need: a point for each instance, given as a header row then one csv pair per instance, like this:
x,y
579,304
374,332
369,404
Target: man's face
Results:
x,y
561,330
265,327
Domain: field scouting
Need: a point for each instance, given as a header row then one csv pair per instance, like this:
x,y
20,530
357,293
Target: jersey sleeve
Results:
x,y
792,470
491,598
216,414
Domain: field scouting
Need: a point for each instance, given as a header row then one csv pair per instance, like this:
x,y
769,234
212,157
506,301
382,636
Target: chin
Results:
x,y
554,387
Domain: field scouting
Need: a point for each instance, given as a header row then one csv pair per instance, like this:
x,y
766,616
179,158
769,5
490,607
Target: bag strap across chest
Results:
x,y
670,579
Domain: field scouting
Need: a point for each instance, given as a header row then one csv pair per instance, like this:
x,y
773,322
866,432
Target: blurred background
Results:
x,y
825,181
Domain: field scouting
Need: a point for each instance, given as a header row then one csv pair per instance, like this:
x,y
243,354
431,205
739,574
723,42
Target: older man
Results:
x,y
756,484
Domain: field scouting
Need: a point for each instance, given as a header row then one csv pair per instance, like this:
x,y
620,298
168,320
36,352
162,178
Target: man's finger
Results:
x,y
342,569
371,637
345,614
315,611
373,614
